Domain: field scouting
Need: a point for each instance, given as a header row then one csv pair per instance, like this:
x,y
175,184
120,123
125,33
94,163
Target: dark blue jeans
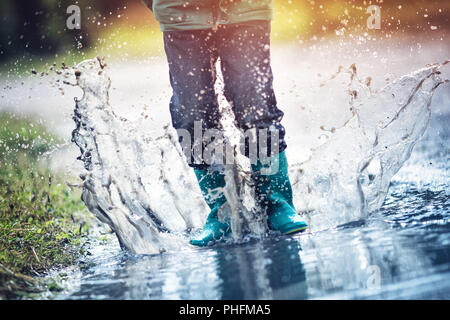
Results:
x,y
244,51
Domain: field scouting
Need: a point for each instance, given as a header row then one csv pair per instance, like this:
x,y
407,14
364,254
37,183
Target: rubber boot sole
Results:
x,y
296,230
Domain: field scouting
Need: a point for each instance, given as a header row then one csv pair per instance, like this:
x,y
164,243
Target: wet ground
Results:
x,y
400,252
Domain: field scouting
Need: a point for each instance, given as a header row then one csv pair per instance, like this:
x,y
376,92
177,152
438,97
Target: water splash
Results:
x,y
348,176
134,182
140,185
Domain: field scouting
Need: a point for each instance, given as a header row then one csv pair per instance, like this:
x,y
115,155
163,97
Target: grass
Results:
x,y
43,224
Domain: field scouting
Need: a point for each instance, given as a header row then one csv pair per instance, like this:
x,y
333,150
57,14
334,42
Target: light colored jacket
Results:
x,y
205,14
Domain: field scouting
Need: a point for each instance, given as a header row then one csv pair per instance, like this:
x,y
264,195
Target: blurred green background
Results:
x,y
35,31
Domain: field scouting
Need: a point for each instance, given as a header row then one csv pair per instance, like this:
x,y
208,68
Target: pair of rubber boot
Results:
x,y
274,192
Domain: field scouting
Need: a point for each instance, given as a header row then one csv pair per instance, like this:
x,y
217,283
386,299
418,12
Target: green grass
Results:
x,y
43,224
27,63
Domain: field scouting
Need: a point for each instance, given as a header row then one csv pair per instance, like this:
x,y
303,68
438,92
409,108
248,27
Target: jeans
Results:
x,y
244,52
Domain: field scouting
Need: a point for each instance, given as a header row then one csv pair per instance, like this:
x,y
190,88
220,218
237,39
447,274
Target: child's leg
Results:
x,y
245,57
245,62
191,57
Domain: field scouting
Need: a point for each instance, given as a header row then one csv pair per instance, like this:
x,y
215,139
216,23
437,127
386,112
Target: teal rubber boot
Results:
x,y
214,230
275,192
